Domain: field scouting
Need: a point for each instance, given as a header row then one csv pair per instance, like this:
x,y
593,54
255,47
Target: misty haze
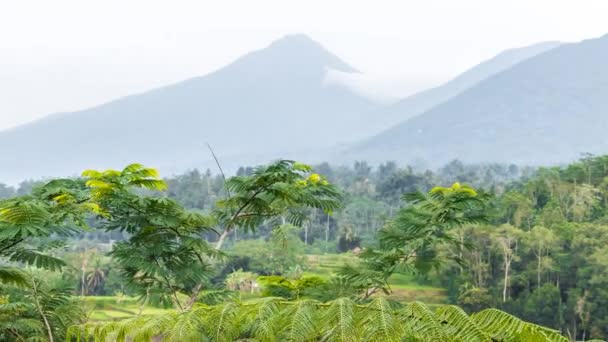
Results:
x,y
279,172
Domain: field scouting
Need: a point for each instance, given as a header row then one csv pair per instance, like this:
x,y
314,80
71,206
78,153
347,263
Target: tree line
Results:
x,y
503,245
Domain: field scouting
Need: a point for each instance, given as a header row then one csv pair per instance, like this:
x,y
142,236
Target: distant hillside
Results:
x,y
547,109
425,100
267,104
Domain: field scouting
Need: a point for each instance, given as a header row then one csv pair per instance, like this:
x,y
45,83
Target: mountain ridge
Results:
x,y
263,105
527,114
424,100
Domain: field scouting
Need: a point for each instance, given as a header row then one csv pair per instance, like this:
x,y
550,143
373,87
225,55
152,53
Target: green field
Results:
x,y
405,288
112,308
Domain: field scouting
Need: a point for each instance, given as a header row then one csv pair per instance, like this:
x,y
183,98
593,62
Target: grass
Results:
x,y
110,308
405,288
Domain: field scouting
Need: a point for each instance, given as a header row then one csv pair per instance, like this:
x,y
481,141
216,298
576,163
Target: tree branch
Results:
x,y
179,304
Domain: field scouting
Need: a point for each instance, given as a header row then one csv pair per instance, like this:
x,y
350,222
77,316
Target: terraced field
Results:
x,y
112,308
404,288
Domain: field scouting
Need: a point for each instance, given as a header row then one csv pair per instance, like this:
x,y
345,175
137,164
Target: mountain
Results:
x,y
267,104
547,109
422,101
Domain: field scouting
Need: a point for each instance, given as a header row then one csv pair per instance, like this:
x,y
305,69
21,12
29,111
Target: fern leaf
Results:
x,y
459,324
503,326
340,321
422,323
299,321
380,322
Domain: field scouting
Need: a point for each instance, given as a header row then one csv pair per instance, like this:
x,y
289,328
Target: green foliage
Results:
x,y
276,286
282,252
31,225
165,253
500,325
304,287
37,311
282,189
165,257
273,319
475,299
542,258
542,305
411,241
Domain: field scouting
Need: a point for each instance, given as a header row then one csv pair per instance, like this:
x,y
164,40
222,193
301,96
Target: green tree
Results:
x,y
506,239
35,223
543,306
165,253
284,190
410,243
541,242
282,252
30,226
38,311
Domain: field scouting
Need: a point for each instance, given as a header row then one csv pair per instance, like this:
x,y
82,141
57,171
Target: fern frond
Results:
x,y
272,319
420,322
262,316
299,321
221,324
340,321
380,323
503,326
460,325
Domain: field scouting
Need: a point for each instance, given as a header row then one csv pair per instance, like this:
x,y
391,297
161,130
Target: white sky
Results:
x,y
65,55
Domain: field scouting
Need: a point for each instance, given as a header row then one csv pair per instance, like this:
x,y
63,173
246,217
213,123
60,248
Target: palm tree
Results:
x,y
96,278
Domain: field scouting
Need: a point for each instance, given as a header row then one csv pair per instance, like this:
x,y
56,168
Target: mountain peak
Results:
x,y
296,39
298,50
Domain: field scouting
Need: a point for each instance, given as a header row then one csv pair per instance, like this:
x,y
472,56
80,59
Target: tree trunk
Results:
x,y
41,311
327,233
479,269
506,284
538,270
220,242
561,311
83,274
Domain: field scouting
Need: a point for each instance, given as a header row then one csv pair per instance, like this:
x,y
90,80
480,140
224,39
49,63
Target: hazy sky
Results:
x,y
65,55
